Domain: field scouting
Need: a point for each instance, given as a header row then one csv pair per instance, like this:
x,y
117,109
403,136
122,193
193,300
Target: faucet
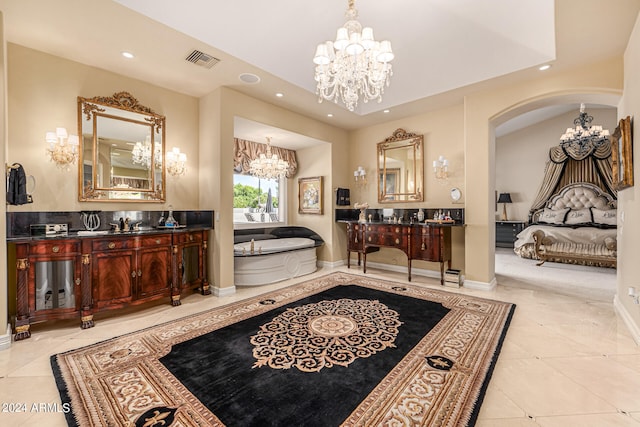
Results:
x,y
126,224
116,227
136,226
251,249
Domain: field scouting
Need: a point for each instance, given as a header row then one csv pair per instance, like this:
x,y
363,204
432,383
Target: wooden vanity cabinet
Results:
x,y
61,278
417,241
355,243
130,269
190,256
48,282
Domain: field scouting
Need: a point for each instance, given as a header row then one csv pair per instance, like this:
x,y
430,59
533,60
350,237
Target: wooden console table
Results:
x,y
426,242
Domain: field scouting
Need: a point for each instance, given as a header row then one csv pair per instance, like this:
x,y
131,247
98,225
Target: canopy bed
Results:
x,y
573,217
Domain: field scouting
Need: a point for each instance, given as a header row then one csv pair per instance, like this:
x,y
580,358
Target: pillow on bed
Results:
x,y
604,217
553,216
578,217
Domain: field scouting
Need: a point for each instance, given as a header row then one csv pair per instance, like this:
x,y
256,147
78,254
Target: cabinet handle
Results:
x,y
139,273
397,241
369,238
423,247
78,281
111,245
191,238
356,240
157,241
397,230
55,249
133,274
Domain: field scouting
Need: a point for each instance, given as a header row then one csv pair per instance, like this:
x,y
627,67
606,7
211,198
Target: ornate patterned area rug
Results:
x,y
336,350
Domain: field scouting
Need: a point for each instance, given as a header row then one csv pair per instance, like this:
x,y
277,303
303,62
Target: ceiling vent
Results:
x,y
202,59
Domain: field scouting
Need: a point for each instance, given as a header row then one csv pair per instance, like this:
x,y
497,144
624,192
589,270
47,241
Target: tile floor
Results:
x,y
567,360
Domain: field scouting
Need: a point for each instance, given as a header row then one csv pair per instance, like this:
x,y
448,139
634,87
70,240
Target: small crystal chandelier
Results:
x,y
268,166
141,153
63,148
354,64
584,137
176,162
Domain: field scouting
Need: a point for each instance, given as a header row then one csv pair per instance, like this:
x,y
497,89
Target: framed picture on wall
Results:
x,y
622,154
310,195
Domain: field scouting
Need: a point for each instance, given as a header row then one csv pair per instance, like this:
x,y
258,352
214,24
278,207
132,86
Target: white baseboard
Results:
x,y
470,284
223,292
634,329
481,286
335,264
5,340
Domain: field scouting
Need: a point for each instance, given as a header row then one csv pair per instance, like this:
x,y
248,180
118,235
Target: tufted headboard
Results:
x,y
578,195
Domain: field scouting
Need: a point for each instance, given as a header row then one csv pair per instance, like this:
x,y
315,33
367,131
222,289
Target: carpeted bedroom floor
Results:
x,y
567,360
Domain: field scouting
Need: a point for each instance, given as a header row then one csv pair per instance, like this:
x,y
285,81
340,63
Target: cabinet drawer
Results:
x,y
55,247
113,244
157,240
187,237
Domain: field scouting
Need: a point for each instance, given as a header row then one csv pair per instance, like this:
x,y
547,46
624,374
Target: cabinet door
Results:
x,y
191,265
112,278
154,271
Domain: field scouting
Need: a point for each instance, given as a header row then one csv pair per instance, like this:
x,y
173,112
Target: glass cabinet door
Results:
x,y
190,264
54,282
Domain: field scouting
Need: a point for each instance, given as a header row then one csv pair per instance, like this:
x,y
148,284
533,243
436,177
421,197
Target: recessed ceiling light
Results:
x,y
385,111
249,78
329,115
279,94
544,67
128,55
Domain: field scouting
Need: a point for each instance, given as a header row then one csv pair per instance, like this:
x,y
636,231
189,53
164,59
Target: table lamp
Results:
x,y
504,199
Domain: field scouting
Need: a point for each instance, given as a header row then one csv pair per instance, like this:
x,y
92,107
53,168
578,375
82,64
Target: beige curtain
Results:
x,y
566,166
244,151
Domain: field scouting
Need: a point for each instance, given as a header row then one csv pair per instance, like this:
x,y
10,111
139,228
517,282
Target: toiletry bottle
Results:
x,y
420,215
170,221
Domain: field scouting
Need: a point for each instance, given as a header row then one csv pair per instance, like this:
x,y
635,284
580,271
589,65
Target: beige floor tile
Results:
x,y
543,391
536,375
592,420
604,377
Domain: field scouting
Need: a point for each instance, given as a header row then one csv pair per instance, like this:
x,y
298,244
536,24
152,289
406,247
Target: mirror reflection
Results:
x,y
122,150
400,168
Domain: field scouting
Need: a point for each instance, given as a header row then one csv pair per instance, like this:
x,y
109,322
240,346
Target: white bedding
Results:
x,y
567,234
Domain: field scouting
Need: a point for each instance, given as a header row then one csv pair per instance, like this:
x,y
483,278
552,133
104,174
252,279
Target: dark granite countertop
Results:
x,y
82,234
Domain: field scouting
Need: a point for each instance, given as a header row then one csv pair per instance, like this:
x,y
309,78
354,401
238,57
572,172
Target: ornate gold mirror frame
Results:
x,y
122,150
401,168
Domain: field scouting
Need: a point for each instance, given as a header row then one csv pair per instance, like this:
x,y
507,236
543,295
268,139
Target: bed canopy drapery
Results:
x,y
566,166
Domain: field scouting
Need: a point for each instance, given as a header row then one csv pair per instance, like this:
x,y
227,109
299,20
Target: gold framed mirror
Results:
x,y
401,168
122,150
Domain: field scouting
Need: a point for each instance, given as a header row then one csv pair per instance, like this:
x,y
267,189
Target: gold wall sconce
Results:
x,y
62,148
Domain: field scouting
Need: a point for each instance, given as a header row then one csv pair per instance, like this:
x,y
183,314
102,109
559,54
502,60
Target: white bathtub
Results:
x,y
274,260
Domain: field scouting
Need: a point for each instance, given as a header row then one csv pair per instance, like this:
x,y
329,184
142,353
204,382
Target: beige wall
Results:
x,y
629,199
217,112
443,135
483,111
5,341
42,95
521,157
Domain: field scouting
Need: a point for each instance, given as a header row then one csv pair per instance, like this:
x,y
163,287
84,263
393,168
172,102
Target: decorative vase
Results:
x,y
420,215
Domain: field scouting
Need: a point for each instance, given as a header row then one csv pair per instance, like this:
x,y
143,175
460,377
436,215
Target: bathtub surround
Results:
x,y
222,347
268,255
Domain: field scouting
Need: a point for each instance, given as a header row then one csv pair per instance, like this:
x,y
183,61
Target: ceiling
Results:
x,y
444,48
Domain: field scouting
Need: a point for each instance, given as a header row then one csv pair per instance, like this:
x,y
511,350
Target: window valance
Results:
x,y
244,151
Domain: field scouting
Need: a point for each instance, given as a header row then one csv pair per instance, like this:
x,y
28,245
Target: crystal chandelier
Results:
x,y
355,64
141,153
268,166
584,137
63,148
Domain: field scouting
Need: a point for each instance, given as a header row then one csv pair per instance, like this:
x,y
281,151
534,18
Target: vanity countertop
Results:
x,y
83,234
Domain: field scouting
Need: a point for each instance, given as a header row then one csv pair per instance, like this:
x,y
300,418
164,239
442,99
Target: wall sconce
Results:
x,y
63,148
441,169
504,198
360,175
176,162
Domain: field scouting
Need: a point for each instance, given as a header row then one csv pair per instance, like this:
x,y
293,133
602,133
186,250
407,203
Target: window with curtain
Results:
x,y
258,202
